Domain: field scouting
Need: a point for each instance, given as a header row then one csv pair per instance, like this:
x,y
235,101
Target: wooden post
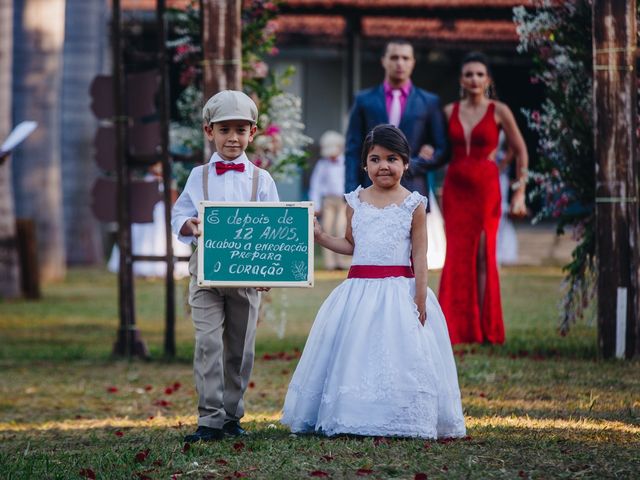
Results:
x,y
222,46
170,294
617,250
129,342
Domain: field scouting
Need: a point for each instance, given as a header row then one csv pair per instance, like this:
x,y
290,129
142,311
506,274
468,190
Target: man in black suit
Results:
x,y
414,110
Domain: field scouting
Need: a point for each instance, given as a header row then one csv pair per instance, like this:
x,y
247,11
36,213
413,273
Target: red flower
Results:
x,y
252,384
168,391
238,446
88,473
363,472
118,433
142,455
316,473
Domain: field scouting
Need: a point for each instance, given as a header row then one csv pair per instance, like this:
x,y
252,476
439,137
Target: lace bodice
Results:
x,y
382,236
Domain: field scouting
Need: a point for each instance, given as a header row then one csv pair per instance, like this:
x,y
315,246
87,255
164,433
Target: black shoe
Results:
x,y
233,429
205,434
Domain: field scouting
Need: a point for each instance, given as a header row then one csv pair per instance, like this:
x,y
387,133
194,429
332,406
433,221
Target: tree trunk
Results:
x,y
38,41
222,46
617,235
9,270
85,36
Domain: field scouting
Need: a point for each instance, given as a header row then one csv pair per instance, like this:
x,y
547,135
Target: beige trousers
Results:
x,y
225,322
334,222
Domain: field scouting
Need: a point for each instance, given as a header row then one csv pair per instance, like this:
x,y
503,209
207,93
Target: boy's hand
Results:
x,y
190,227
426,152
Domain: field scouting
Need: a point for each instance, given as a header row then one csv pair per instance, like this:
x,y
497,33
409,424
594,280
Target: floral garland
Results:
x,y
279,144
559,36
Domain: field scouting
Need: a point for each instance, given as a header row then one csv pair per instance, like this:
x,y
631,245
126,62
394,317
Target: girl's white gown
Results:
x,y
369,367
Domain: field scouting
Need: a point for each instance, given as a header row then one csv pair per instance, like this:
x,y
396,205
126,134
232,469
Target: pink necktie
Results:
x,y
395,110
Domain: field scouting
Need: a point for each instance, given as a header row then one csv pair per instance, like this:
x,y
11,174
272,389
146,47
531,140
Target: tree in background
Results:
x,y
38,42
279,143
9,269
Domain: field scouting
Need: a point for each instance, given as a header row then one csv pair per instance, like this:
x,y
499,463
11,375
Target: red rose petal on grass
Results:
x,y
150,417
445,441
176,386
468,438
222,461
522,474
186,447
363,472
162,403
426,445
482,395
316,473
142,455
444,468
168,391
238,446
112,389
119,433
420,476
87,473
380,441
327,458
148,388
252,384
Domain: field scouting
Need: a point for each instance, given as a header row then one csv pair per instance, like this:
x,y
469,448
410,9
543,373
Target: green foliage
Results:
x,y
559,37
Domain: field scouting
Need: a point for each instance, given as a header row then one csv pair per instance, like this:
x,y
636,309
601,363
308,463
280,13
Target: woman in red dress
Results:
x,y
470,287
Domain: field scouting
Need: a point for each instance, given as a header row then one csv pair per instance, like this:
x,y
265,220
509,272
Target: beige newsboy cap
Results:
x,y
230,105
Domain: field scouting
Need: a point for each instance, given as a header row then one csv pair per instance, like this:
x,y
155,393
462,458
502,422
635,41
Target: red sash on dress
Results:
x,y
380,271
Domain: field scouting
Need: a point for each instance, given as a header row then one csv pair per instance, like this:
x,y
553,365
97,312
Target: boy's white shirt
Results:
x,y
231,186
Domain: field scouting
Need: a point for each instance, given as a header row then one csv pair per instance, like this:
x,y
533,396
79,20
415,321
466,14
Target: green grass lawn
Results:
x,y
541,406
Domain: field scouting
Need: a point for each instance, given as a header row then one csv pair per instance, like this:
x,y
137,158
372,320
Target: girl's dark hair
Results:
x,y
389,137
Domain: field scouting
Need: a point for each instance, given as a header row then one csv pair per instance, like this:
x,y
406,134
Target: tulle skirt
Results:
x,y
370,368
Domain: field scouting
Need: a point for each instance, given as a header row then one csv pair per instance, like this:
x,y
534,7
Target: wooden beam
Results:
x,y
617,235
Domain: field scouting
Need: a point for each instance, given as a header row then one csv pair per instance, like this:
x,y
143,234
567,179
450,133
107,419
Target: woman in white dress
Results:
x,y
378,360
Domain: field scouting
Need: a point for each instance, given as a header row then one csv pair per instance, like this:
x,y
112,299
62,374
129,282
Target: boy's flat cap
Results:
x,y
230,105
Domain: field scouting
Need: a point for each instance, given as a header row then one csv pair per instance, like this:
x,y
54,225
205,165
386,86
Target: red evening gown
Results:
x,y
471,205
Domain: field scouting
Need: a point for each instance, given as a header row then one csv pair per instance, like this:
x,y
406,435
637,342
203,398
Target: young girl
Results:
x,y
378,360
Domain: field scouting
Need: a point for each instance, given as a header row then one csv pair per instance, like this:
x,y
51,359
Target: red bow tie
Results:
x,y
222,167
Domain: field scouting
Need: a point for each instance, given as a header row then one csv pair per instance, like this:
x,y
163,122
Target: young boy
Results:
x,y
224,318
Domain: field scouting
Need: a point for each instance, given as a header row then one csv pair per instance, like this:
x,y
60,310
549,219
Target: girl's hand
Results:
x,y
317,229
190,227
263,289
421,303
518,207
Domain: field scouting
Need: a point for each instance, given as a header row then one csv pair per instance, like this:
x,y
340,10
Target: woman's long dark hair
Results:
x,y
389,137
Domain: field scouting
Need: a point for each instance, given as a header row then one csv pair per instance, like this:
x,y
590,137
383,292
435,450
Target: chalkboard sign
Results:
x,y
255,244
